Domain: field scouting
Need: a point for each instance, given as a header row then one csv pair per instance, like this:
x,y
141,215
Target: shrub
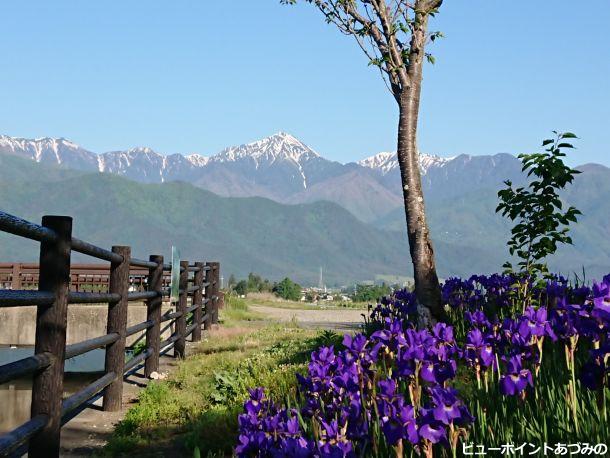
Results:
x,y
541,224
287,289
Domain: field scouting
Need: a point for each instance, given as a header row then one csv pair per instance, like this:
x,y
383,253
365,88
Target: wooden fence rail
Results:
x,y
57,284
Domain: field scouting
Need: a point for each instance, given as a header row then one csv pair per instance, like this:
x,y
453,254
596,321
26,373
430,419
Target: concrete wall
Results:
x,y
18,324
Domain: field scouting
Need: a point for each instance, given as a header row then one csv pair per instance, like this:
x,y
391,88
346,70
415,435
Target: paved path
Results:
x,y
335,319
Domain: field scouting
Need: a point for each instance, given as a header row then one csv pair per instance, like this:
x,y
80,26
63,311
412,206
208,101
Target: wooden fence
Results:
x,y
126,279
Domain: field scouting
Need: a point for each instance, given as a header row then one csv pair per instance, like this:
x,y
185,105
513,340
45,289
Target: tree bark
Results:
x,y
427,288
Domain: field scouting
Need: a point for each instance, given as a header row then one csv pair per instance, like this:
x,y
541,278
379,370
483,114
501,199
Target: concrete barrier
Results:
x,y
18,324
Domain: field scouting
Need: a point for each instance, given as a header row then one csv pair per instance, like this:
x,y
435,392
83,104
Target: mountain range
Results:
x,y
278,167
277,193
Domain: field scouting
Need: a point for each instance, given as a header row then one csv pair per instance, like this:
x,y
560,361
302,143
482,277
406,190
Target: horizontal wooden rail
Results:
x,y
86,393
192,308
91,344
19,298
17,226
60,283
171,316
92,298
11,441
139,327
141,263
169,341
25,366
133,362
141,296
95,251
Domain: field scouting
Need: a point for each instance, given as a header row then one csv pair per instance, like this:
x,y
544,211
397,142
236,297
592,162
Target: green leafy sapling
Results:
x,y
541,223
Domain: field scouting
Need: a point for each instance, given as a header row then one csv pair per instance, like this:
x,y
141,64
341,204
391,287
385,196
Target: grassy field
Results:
x,y
196,408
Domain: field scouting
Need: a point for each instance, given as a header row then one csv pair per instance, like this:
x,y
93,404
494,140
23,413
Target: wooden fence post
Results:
x,y
198,299
153,313
16,276
180,345
216,277
51,324
117,322
209,293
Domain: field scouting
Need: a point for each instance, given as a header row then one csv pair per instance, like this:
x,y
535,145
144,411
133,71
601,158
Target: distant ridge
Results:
x,y
276,239
283,168
279,167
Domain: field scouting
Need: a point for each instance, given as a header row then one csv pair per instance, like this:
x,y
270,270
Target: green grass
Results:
x,y
236,311
198,405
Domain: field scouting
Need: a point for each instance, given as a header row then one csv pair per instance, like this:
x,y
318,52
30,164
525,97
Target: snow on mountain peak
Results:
x,y
198,160
280,146
141,150
40,147
385,162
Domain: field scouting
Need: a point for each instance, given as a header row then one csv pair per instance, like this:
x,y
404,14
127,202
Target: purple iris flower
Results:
x,y
400,423
443,333
253,405
334,444
601,302
387,388
392,335
478,349
397,417
446,405
516,378
431,429
477,319
438,372
535,323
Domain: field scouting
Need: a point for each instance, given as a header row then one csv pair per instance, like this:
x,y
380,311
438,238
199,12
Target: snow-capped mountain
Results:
x,y
279,167
387,162
281,151
50,150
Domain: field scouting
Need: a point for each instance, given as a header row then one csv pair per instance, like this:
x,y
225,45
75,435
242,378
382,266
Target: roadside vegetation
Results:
x,y
196,408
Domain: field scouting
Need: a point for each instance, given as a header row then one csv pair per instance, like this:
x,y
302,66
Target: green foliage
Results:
x,y
287,289
241,287
545,416
258,284
196,409
541,223
236,311
371,293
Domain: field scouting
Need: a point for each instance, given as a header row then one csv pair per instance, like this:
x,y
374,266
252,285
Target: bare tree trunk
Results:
x,y
427,287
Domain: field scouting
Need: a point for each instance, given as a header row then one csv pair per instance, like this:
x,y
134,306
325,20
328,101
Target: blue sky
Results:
x,y
196,76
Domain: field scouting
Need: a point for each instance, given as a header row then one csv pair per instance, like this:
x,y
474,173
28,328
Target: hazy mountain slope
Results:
x,y
279,167
470,220
252,234
356,190
460,195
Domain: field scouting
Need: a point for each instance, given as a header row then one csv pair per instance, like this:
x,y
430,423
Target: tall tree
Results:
x,y
393,34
